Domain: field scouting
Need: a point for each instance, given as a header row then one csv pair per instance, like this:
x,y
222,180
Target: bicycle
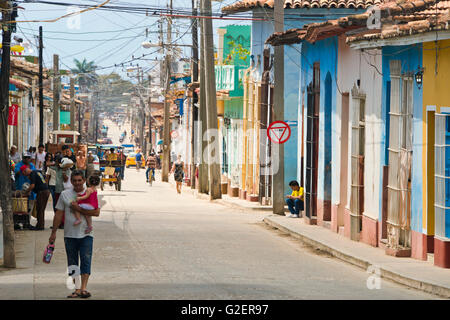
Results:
x,y
152,178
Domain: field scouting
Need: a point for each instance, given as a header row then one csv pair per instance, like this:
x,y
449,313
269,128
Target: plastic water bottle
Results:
x,y
48,253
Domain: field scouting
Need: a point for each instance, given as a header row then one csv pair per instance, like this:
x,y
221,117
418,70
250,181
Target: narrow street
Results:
x,y
150,243
317,138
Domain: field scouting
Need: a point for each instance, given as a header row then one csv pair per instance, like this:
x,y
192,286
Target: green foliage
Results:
x,y
86,72
111,88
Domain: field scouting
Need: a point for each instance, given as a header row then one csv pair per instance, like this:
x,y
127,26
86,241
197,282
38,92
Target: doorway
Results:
x,y
312,146
344,160
327,174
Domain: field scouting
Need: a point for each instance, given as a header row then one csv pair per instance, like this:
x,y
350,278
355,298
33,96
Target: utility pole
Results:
x,y
9,253
150,142
140,73
194,114
72,104
96,117
203,166
80,122
166,138
278,109
41,90
56,88
215,191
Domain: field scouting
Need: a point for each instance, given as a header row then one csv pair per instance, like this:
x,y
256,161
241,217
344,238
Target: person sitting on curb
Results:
x,y
295,200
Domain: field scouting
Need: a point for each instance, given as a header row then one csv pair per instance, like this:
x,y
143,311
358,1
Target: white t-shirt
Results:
x,y
67,184
71,231
52,173
40,159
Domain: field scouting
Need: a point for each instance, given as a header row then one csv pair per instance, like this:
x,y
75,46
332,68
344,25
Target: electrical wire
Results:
x,y
63,16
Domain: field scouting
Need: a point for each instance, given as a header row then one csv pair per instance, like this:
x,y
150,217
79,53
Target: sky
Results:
x,y
103,36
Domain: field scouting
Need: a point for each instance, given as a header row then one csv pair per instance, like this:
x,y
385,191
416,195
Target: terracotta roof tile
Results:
x,y
431,17
246,5
398,18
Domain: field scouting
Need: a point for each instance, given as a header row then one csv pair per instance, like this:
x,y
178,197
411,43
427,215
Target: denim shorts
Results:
x,y
79,249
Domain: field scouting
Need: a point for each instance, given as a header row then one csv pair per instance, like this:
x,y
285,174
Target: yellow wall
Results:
x,y
436,92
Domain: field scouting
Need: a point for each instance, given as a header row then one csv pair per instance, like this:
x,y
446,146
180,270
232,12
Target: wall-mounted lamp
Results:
x,y
419,78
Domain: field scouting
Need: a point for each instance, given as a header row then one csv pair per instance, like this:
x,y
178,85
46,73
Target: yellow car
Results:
x,y
131,160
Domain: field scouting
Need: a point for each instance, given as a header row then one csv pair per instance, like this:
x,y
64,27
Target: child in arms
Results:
x,y
88,201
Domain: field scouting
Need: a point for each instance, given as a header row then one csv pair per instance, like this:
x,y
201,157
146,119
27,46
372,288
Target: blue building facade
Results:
x,y
295,66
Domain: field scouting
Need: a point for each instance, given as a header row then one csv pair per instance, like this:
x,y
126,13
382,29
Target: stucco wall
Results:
x,y
354,65
325,52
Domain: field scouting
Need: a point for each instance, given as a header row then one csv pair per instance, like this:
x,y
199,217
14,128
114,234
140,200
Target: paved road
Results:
x,y
151,243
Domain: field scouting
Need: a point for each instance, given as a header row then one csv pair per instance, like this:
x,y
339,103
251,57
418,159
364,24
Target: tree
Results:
x,y
111,88
86,72
9,257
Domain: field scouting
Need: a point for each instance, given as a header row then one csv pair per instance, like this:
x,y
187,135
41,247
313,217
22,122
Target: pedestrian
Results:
x,y
66,165
138,160
12,166
49,161
78,244
150,163
62,180
20,180
40,187
67,153
14,155
123,159
50,174
295,200
81,161
39,158
178,170
90,165
32,152
112,156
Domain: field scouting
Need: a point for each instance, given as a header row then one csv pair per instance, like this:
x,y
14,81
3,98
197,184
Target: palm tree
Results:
x,y
86,72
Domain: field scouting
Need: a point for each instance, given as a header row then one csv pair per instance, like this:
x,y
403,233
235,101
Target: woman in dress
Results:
x,y
178,169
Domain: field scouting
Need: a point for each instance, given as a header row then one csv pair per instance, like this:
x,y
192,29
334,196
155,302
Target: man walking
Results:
x,y
78,243
40,187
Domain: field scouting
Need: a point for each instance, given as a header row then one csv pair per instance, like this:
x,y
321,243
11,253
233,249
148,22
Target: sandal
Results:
x,y
74,295
85,294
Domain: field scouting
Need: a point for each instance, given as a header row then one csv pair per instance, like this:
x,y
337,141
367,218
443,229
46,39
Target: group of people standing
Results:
x,y
37,175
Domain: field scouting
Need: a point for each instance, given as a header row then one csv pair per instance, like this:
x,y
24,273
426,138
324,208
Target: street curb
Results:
x,y
428,287
224,202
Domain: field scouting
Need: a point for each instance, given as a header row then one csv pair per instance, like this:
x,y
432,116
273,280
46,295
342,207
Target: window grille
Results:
x,y
400,157
442,175
357,156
